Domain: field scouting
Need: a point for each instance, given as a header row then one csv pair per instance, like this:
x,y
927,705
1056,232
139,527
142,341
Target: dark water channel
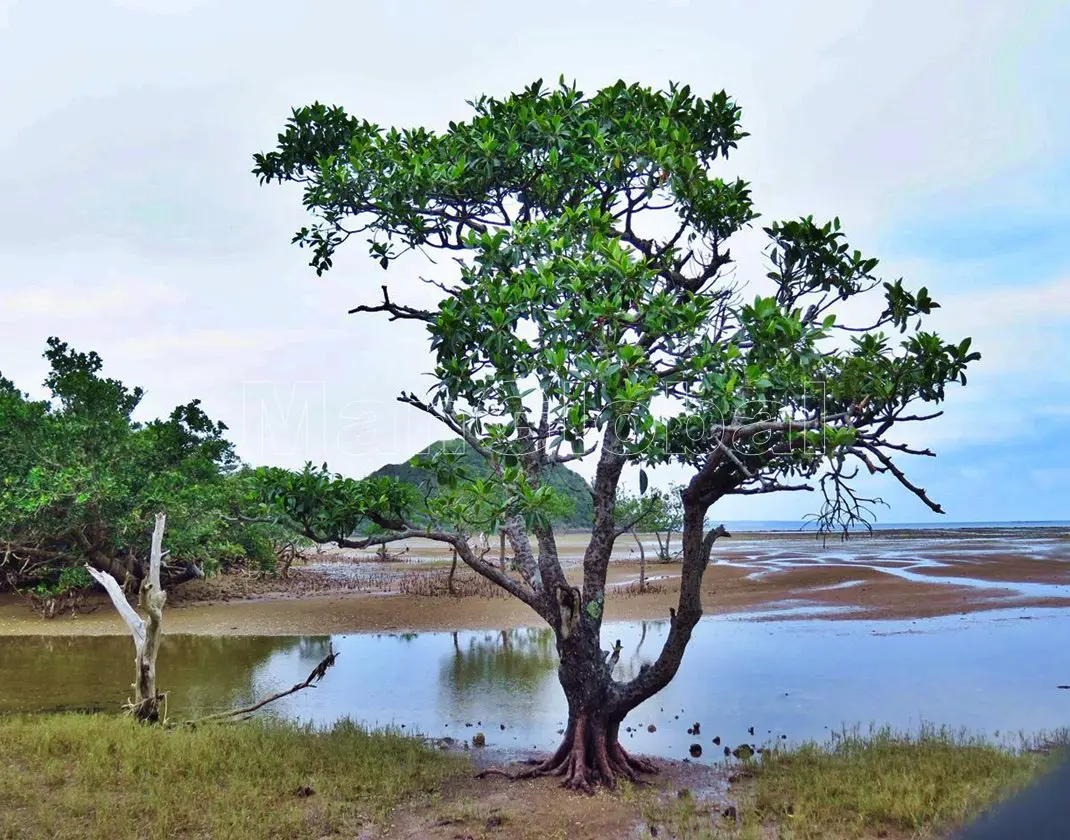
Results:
x,y
988,673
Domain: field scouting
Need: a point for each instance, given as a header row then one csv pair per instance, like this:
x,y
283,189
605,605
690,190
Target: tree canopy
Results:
x,y
81,479
554,200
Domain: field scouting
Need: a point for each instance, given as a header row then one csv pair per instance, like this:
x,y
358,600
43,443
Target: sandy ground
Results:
x,y
894,576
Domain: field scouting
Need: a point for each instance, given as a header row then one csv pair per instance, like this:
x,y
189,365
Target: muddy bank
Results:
x,y
892,576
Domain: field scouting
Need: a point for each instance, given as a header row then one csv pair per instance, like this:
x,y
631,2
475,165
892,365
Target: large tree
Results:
x,y
590,312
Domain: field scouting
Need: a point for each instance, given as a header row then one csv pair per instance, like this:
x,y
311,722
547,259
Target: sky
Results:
x,y
130,222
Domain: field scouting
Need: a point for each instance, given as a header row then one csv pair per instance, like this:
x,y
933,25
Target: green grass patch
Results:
x,y
884,784
91,776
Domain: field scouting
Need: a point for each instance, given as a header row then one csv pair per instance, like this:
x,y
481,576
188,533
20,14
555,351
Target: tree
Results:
x,y
668,518
80,479
590,313
636,514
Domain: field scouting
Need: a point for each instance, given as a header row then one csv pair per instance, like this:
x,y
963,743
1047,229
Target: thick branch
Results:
x,y
118,598
902,479
464,551
397,311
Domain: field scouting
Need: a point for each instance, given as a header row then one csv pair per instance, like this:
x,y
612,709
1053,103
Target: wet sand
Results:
x,y
893,575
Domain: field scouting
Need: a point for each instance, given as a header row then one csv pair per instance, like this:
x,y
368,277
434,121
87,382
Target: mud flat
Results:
x,y
888,575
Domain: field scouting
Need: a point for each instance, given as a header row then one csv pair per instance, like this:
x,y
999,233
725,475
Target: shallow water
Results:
x,y
800,678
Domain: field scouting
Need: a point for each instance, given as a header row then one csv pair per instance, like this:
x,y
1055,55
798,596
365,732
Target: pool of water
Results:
x,y
800,678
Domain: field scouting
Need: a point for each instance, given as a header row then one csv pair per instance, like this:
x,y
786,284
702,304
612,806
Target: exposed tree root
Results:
x,y
588,756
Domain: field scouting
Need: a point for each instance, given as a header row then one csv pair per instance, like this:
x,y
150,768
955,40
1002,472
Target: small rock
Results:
x,y
696,750
730,813
479,740
651,728
717,740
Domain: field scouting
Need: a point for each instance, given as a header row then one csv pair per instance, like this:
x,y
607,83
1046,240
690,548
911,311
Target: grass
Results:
x,y
89,776
882,785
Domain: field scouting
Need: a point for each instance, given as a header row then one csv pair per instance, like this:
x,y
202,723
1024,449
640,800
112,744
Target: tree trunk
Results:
x,y
590,752
501,550
642,563
453,570
146,632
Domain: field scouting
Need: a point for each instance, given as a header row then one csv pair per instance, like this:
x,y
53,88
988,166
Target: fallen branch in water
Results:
x,y
317,674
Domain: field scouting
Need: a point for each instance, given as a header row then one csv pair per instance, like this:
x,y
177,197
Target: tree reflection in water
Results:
x,y
515,661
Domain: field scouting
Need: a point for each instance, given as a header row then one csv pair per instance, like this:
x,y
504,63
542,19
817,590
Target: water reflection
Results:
x,y
798,678
508,660
201,674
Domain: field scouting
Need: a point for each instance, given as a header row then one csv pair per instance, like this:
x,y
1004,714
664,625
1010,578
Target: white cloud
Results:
x,y
66,301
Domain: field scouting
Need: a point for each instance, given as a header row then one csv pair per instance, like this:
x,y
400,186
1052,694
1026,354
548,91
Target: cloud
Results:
x,y
71,301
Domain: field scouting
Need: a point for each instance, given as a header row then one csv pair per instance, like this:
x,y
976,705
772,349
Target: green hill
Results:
x,y
570,484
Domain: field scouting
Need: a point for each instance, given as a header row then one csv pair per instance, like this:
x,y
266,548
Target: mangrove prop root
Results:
x,y
587,757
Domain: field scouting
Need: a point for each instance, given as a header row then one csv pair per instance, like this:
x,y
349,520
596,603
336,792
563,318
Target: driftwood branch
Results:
x,y
317,674
122,606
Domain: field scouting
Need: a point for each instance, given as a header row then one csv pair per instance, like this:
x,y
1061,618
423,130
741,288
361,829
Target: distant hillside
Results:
x,y
561,478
